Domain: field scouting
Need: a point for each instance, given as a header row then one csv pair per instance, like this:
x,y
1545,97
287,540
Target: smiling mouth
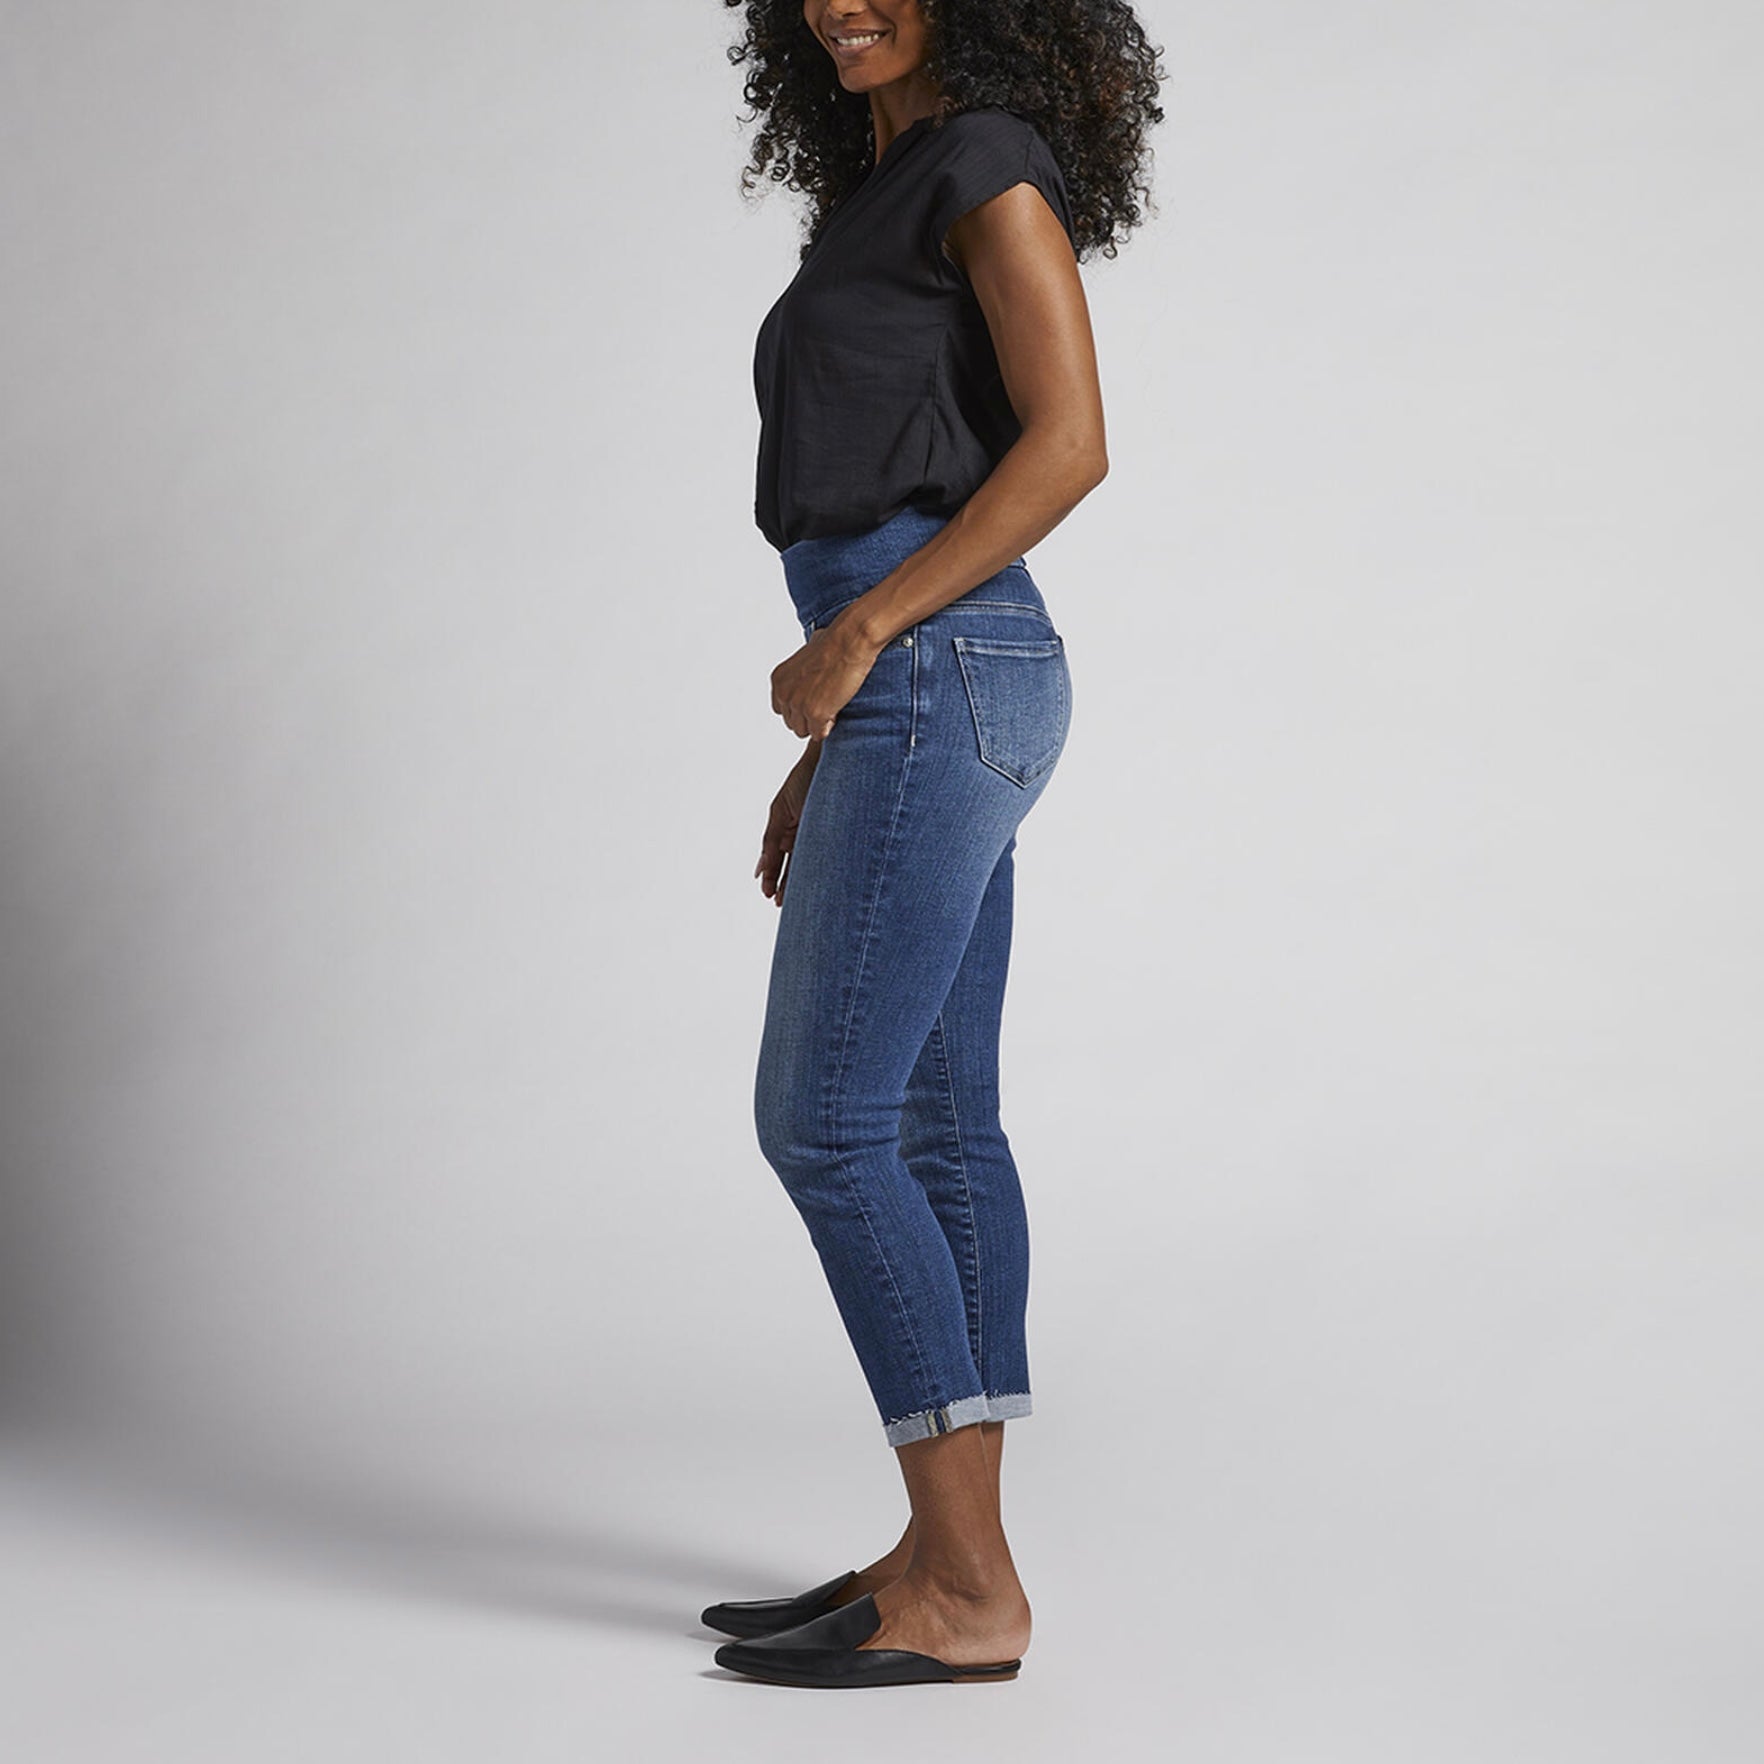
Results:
x,y
855,42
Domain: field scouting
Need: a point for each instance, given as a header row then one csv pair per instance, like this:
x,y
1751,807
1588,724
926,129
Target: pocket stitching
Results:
x,y
1039,648
1031,646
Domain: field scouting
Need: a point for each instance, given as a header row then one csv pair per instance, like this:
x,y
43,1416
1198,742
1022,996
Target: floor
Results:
x,y
534,1599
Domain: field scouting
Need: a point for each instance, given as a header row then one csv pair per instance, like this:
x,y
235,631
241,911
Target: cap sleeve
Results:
x,y
989,152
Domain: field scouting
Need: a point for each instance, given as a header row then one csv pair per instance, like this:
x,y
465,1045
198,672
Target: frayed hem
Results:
x,y
926,1423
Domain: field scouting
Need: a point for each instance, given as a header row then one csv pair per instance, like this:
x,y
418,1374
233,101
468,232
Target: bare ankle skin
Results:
x,y
889,1567
955,1593
884,1571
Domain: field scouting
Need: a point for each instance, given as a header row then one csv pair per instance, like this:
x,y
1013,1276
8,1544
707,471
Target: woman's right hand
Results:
x,y
781,825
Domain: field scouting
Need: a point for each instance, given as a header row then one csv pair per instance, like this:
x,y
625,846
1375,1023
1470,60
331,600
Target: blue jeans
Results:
x,y
877,1093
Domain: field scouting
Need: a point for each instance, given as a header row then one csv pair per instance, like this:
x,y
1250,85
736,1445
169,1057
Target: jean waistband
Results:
x,y
824,574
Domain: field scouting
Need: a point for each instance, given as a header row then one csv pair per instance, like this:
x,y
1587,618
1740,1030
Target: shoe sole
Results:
x,y
1000,1674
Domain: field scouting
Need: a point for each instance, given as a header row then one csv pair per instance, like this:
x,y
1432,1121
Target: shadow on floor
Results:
x,y
395,1530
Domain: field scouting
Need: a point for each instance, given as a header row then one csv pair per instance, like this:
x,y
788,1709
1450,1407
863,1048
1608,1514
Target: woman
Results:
x,y
929,410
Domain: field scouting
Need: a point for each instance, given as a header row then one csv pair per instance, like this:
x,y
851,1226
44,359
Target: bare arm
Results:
x,y
1019,261
1016,255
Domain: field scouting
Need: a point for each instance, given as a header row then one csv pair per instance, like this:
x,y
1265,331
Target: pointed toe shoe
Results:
x,y
826,1651
750,1617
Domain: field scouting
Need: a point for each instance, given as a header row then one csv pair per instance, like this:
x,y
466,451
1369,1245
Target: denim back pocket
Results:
x,y
1020,695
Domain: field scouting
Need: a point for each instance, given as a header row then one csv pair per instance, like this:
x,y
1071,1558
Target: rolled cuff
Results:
x,y
964,1412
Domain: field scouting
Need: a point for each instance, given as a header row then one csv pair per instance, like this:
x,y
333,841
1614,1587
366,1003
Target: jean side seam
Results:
x,y
837,1089
955,1120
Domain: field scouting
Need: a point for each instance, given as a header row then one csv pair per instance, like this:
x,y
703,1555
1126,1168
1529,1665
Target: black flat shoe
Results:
x,y
825,1651
749,1617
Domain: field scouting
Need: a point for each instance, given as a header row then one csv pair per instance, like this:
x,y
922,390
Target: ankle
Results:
x,y
966,1581
889,1567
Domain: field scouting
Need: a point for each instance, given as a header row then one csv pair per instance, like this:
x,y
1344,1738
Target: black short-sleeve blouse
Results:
x,y
877,382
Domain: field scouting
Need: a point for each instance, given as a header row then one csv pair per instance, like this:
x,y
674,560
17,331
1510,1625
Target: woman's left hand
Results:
x,y
811,687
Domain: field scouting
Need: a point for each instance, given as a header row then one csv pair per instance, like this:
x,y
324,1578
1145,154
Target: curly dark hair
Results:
x,y
1081,70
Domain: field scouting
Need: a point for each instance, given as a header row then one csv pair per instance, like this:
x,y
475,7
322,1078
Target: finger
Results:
x,y
768,857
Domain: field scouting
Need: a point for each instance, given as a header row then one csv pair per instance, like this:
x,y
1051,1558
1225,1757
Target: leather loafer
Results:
x,y
826,1651
748,1617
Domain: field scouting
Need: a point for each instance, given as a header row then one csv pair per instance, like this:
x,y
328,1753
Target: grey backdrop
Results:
x,y
402,1337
